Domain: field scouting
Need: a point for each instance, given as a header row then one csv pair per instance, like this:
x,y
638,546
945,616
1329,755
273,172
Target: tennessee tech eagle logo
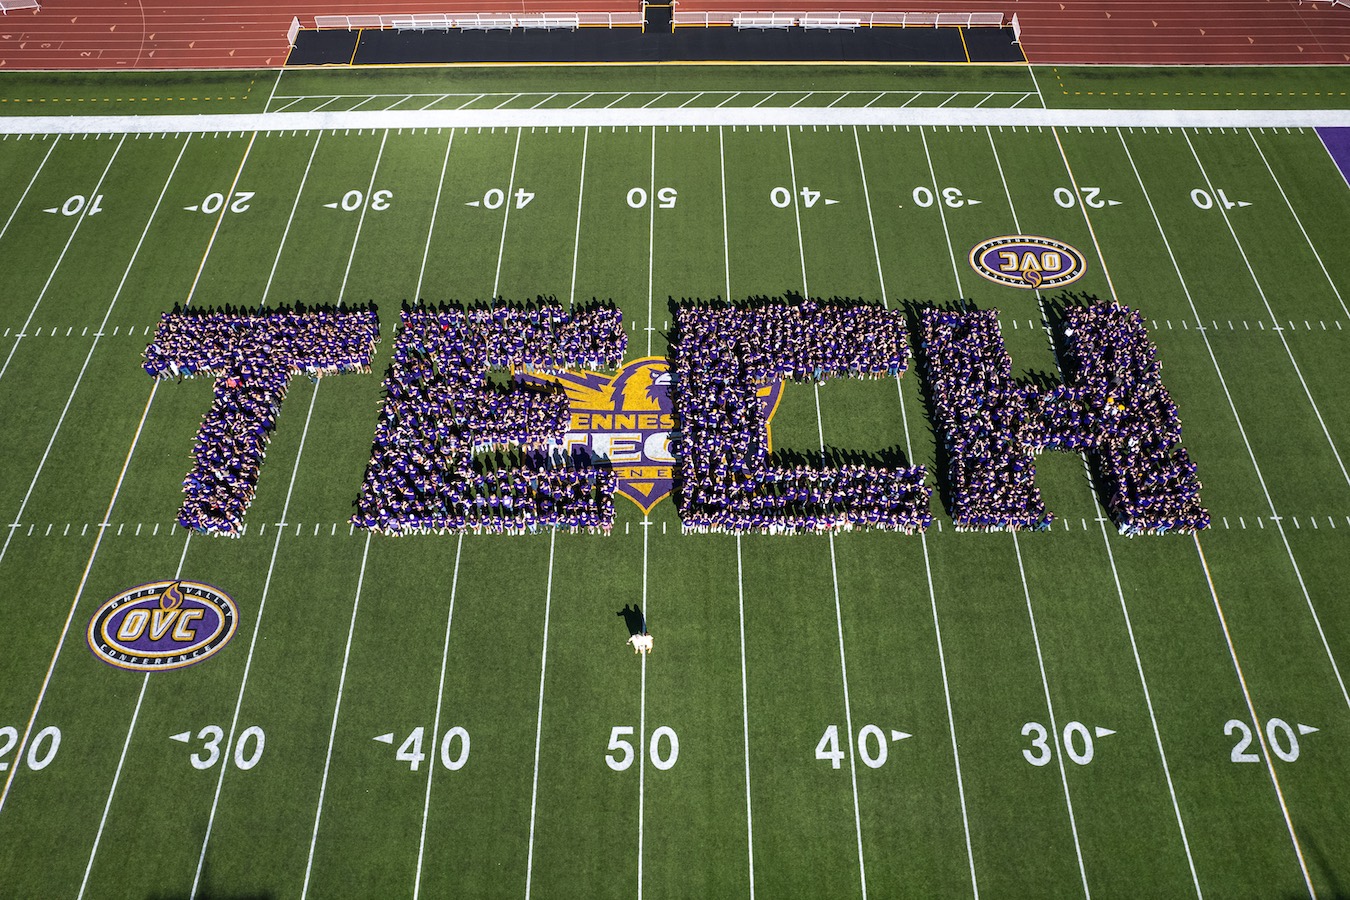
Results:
x,y
162,625
1027,261
626,418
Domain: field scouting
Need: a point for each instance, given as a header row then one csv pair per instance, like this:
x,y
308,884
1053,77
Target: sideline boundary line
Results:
x,y
1023,117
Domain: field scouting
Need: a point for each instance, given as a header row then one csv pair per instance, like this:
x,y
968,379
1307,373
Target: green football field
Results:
x,y
1062,713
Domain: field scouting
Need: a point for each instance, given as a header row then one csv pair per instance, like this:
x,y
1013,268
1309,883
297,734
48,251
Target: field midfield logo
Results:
x,y
162,625
626,418
1027,261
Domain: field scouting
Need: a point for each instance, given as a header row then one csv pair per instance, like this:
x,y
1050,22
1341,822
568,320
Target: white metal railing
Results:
x,y
844,19
484,21
7,5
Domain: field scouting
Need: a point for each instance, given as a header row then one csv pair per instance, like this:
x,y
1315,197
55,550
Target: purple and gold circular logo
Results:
x,y
162,625
1027,261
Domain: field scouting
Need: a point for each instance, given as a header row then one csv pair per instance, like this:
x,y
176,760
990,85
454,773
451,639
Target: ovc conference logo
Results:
x,y
626,418
162,625
1028,261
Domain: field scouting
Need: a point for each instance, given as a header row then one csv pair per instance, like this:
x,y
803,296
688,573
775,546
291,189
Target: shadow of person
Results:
x,y
633,618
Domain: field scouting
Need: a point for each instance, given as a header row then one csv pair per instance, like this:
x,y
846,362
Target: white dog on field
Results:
x,y
642,643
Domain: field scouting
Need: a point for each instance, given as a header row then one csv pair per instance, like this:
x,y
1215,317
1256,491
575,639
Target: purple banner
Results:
x,y
1337,142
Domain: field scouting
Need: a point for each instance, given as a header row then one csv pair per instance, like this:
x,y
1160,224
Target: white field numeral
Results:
x,y
248,749
1282,737
495,198
1091,198
664,748
665,198
76,204
1203,199
454,748
1079,743
214,203
354,200
41,751
873,748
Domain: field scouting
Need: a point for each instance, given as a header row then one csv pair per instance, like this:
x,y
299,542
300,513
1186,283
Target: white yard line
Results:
x,y
291,218
1232,406
1311,246
651,247
1278,523
276,84
1265,301
360,223
581,193
1101,519
745,719
1031,616
539,721
75,602
85,212
740,581
834,572
252,645
337,707
1050,711
107,515
506,214
32,181
642,715
126,744
923,538
1256,722
718,115
79,379
436,722
726,246
435,209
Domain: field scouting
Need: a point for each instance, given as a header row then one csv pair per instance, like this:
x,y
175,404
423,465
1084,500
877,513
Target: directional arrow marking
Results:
x,y
1244,203
899,735
1306,729
385,738
181,738
330,206
974,202
473,203
52,210
831,202
190,208
1112,202
1103,732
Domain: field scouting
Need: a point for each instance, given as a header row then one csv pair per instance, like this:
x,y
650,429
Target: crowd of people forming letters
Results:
x,y
456,450
1113,404
440,413
728,480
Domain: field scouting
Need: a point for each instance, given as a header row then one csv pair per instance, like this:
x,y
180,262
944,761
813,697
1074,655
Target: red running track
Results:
x,y
133,34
